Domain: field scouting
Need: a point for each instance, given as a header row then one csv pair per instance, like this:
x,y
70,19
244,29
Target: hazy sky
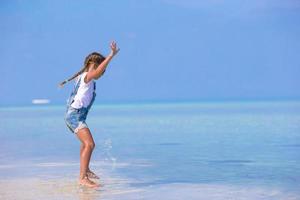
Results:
x,y
170,49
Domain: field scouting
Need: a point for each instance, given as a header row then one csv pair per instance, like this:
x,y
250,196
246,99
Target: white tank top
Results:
x,y
84,94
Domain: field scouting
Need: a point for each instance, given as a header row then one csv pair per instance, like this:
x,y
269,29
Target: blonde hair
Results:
x,y
93,58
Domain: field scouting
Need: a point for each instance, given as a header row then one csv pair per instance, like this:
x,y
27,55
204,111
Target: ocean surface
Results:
x,y
217,150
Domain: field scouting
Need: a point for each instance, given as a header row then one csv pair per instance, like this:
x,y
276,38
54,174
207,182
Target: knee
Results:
x,y
90,145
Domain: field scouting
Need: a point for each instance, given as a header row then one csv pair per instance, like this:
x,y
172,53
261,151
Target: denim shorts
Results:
x,y
75,118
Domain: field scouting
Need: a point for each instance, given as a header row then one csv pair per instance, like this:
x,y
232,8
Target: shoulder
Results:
x,y
84,78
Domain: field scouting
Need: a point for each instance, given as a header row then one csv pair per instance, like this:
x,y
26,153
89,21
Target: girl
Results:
x,y
79,104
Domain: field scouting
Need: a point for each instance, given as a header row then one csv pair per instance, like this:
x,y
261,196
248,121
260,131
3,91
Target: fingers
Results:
x,y
61,85
113,44
114,48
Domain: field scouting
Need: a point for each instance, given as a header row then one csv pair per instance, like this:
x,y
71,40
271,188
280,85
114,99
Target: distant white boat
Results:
x,y
40,101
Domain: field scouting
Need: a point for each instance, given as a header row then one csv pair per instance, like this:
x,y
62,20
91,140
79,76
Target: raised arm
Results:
x,y
96,73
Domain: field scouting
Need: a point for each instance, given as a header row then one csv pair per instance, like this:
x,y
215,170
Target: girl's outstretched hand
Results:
x,y
114,48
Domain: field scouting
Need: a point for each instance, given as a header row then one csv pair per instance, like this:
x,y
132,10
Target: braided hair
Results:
x,y
94,58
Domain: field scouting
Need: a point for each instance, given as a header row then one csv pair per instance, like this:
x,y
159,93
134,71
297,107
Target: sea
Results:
x,y
237,150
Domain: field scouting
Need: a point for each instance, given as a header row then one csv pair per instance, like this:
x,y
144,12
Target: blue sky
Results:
x,y
170,49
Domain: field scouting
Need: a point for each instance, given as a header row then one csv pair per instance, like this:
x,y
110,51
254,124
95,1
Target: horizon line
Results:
x,y
142,102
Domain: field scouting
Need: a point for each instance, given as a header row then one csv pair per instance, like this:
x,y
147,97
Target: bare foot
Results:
x,y
87,182
91,174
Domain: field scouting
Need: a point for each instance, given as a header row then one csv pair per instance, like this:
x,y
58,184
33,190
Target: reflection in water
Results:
x,y
58,188
88,194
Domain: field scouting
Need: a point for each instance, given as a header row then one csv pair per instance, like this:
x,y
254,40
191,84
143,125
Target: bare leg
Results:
x,y
90,173
86,149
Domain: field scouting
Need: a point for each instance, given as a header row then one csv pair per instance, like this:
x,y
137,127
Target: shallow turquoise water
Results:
x,y
234,148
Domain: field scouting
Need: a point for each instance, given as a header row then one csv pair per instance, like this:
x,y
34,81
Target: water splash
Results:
x,y
107,149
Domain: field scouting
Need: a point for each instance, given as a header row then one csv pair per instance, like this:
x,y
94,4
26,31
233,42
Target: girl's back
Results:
x,y
84,93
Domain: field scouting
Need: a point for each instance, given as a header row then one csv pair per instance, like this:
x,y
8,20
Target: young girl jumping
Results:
x,y
79,104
